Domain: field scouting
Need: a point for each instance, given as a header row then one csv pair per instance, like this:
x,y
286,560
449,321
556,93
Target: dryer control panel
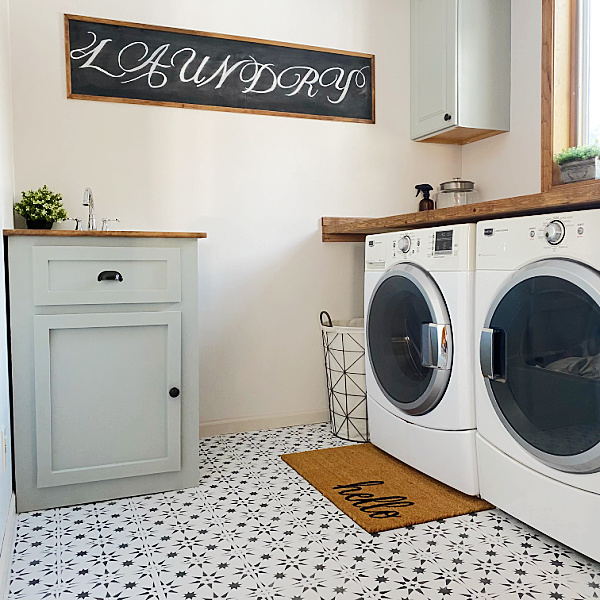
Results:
x,y
507,244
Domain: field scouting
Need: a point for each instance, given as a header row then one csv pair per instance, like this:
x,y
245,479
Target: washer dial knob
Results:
x,y
404,244
554,232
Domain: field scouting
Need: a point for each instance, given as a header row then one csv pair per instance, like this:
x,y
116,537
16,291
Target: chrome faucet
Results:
x,y
88,200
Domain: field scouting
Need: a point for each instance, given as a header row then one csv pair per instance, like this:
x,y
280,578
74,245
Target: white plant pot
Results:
x,y
580,170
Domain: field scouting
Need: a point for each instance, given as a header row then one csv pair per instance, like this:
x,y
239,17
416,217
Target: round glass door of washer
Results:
x,y
409,339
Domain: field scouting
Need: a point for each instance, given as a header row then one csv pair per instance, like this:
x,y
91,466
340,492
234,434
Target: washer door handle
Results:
x,y
436,346
491,354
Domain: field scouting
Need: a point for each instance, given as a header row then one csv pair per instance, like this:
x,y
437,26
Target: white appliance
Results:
x,y
418,309
537,383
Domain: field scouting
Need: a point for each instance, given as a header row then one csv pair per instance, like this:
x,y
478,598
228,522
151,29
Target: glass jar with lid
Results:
x,y
456,192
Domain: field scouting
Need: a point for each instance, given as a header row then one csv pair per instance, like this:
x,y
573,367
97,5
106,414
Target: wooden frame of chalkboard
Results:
x,y
117,61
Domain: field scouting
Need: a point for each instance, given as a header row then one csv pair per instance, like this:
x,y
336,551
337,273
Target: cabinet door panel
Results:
x,y
103,408
433,56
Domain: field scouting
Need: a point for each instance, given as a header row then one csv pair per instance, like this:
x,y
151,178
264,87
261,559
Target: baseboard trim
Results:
x,y
8,546
210,428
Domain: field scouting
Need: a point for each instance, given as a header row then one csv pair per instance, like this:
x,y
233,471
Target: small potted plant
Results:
x,y
41,208
579,163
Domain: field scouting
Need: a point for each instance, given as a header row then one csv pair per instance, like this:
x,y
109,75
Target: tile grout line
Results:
x,y
59,546
153,569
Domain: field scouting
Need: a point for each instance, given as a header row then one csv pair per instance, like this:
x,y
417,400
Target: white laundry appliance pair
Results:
x,y
419,336
524,351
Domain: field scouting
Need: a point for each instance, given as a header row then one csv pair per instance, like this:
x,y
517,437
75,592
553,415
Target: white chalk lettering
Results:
x,y
256,75
164,64
93,53
359,80
152,63
224,71
310,77
182,72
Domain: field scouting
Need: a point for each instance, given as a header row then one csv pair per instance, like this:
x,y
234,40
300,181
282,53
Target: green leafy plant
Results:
x,y
577,153
41,205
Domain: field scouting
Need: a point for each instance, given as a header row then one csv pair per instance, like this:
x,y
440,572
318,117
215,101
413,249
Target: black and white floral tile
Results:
x,y
255,530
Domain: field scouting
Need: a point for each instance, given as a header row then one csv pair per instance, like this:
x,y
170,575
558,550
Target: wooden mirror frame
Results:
x,y
559,105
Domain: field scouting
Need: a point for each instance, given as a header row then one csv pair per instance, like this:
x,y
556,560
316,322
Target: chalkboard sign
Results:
x,y
145,64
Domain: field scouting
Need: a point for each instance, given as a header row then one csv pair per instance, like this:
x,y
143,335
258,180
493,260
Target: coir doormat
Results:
x,y
377,491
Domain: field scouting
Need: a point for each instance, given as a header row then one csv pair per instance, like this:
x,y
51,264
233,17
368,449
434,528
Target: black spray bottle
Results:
x,y
426,203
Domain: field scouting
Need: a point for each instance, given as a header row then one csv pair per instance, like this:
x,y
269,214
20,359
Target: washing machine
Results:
x,y
419,341
537,388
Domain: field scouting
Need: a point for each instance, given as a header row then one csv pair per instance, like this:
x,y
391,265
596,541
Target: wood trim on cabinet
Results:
x,y
73,233
461,136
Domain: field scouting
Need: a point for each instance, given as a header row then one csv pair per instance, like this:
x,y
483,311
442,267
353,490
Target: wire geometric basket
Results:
x,y
344,350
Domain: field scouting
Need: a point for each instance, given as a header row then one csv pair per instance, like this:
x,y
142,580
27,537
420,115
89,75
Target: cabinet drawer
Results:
x,y
70,275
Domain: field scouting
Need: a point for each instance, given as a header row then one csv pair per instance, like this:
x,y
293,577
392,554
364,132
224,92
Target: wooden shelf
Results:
x,y
559,198
73,233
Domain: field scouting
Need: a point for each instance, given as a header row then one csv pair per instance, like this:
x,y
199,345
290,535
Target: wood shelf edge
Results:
x,y
342,237
569,197
73,233
328,222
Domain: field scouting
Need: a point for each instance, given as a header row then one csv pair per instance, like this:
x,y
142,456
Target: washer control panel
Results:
x,y
450,248
442,243
429,245
404,244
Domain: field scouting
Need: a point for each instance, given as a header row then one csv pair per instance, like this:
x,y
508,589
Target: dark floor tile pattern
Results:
x,y
255,530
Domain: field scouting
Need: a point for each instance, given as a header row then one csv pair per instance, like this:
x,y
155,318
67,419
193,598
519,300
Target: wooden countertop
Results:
x,y
73,233
560,198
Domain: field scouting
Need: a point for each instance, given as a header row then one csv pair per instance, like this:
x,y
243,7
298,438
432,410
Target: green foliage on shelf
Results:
x,y
577,153
41,205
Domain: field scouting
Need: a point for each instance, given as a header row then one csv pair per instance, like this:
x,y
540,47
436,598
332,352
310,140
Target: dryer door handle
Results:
x,y
491,354
436,346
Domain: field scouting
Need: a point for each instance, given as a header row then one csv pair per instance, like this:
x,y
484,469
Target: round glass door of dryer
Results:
x,y
409,339
540,352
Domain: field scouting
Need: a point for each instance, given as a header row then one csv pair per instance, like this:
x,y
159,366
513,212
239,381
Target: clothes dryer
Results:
x,y
418,309
537,327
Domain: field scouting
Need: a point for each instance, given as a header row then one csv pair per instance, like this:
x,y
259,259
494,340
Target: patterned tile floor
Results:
x,y
254,529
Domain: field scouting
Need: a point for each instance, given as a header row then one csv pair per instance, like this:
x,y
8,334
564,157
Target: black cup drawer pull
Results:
x,y
110,276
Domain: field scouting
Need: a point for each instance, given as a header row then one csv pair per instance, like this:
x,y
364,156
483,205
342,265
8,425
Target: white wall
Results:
x,y
509,164
6,195
257,184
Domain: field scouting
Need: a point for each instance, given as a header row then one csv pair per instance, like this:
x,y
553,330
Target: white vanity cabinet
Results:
x,y
460,69
104,351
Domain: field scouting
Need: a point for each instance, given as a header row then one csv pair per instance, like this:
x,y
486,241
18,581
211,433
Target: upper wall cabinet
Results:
x,y
460,70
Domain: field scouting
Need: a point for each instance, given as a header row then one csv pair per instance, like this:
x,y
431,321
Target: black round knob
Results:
x,y
174,392
447,117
